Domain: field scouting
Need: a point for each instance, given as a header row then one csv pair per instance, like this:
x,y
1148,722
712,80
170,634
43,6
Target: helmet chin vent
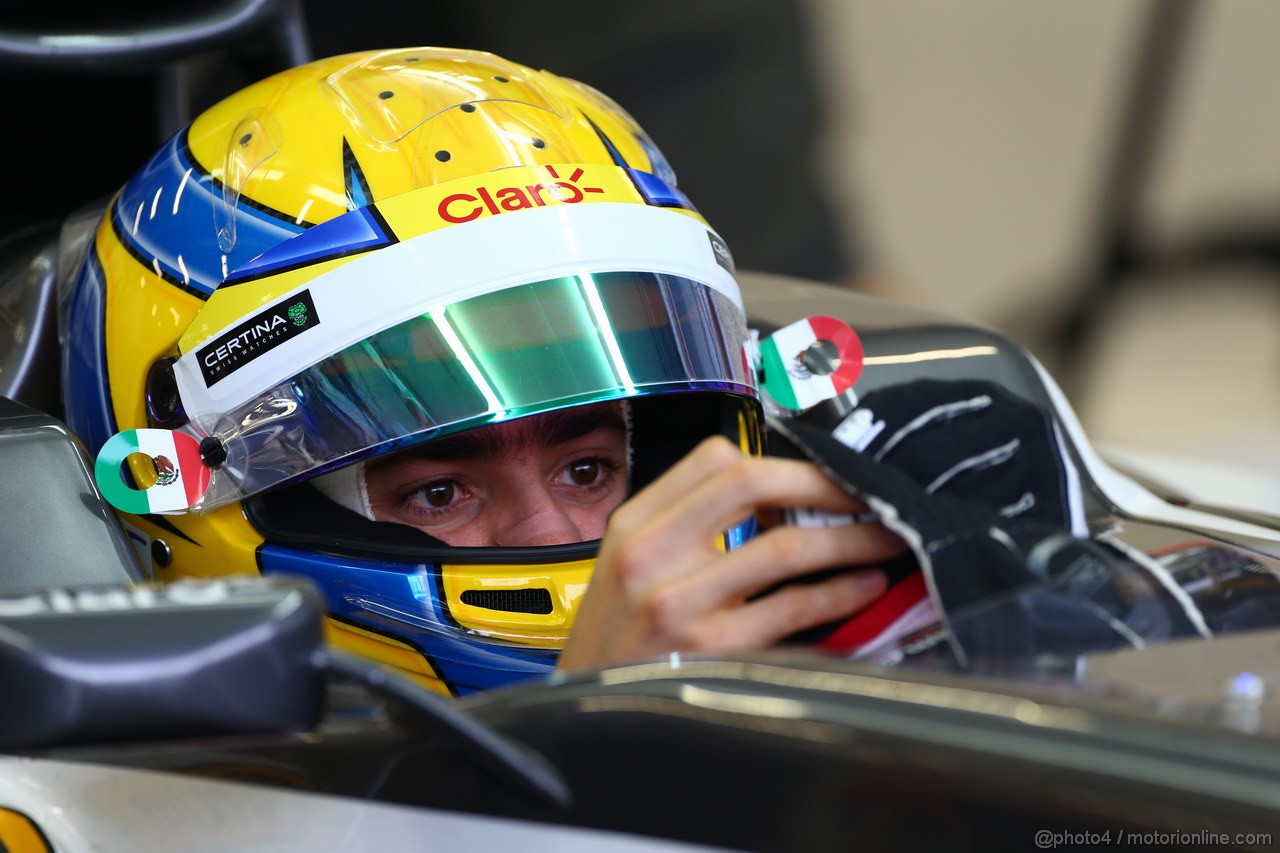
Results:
x,y
510,600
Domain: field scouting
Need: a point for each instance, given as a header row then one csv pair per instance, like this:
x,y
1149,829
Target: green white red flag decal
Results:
x,y
182,477
788,378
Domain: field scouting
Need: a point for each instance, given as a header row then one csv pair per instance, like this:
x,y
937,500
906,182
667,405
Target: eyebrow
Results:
x,y
559,427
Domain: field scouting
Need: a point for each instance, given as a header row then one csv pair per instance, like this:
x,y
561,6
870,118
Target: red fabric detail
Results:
x,y
870,623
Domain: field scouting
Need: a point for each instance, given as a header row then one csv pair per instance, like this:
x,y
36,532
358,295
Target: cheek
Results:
x,y
474,535
592,520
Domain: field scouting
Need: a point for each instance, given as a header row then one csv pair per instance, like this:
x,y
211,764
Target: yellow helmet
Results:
x,y
377,250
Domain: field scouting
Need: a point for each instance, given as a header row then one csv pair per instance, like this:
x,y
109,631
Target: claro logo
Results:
x,y
464,207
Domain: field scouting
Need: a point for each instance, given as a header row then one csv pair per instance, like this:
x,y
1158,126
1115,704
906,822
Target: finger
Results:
x,y
710,456
743,489
643,543
781,554
681,537
766,621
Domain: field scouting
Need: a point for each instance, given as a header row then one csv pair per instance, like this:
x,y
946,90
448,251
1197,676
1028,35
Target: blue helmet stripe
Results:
x,y
357,186
358,231
170,214
657,191
86,395
354,586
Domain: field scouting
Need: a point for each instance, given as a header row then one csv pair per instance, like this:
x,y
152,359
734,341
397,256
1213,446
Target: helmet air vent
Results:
x,y
536,601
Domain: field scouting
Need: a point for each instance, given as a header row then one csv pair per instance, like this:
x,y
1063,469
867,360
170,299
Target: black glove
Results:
x,y
972,439
976,482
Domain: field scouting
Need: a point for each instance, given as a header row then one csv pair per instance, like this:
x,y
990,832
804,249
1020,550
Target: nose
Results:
x,y
534,518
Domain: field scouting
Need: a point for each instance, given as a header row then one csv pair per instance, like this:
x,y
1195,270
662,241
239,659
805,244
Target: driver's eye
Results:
x,y
584,473
440,494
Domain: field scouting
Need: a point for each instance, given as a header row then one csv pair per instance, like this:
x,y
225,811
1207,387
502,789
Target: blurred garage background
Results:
x,y
998,153
1101,180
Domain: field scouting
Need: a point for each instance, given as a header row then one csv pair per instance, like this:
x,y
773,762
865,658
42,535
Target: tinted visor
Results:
x,y
514,352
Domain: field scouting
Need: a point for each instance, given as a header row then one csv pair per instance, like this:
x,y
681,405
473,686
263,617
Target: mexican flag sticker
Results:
x,y
809,361
182,477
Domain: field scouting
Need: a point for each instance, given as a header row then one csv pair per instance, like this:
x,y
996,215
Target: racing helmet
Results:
x,y
370,252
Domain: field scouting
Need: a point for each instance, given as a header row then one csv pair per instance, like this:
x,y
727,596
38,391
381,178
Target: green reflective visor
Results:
x,y
501,355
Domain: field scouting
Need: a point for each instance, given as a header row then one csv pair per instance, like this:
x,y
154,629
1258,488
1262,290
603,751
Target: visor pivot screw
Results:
x,y
212,451
161,553
164,403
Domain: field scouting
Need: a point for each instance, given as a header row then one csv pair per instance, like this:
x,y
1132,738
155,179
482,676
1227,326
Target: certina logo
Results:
x,y
464,207
256,336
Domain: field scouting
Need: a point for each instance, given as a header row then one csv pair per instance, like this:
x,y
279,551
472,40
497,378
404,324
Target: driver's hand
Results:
x,y
661,584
